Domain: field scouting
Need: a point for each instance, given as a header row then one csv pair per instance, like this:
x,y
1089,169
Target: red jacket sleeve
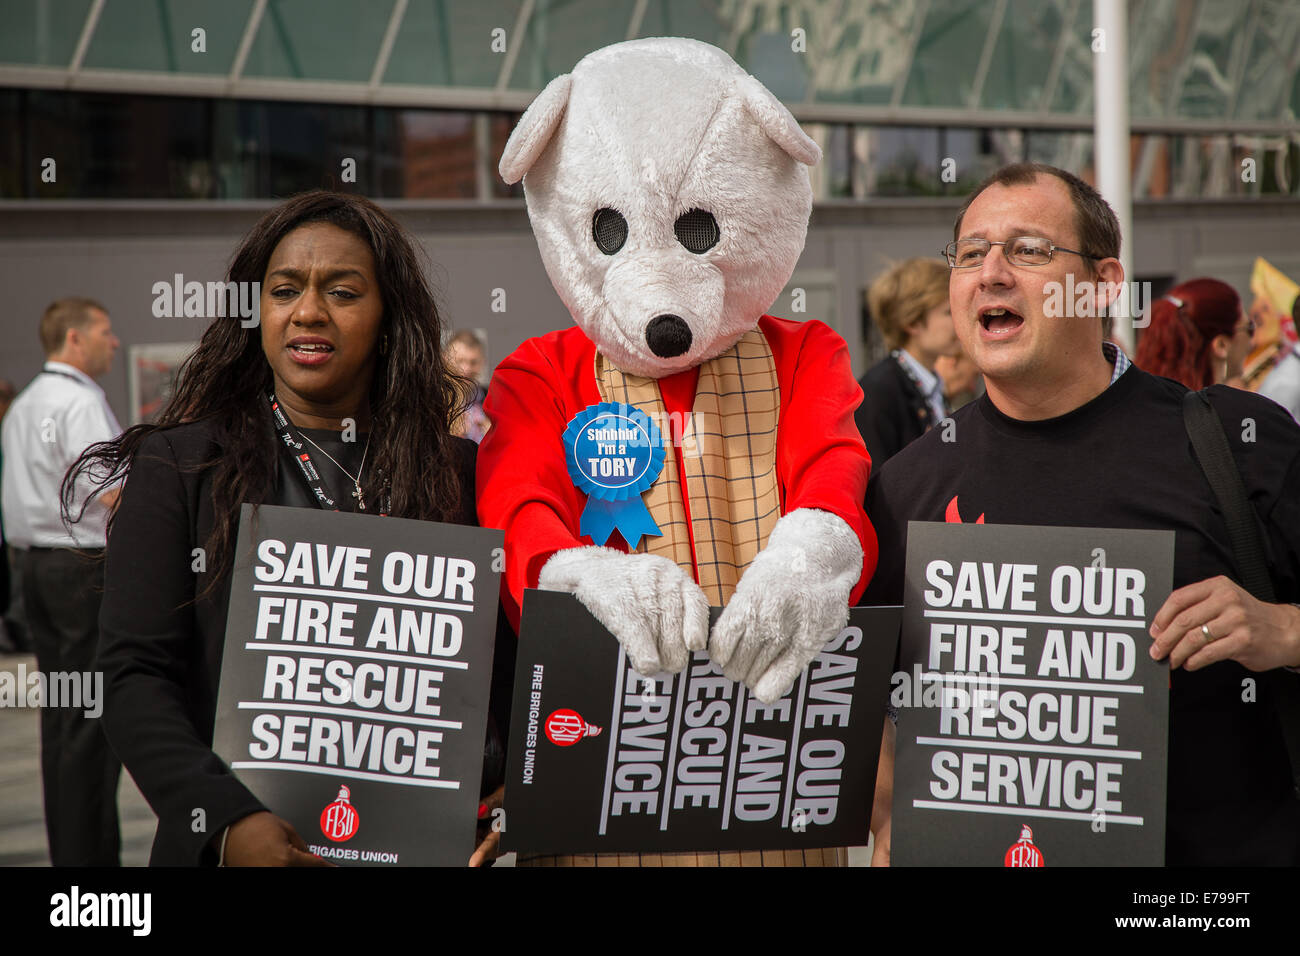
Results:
x,y
821,461
522,483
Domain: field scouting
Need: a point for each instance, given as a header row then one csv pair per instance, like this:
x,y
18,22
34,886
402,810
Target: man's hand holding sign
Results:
x,y
1218,620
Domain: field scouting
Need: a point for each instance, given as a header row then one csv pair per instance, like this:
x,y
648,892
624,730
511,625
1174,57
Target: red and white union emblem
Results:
x,y
565,727
1023,852
339,821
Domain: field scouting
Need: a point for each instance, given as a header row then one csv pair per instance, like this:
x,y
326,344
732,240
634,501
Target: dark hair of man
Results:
x,y
413,397
1094,220
73,312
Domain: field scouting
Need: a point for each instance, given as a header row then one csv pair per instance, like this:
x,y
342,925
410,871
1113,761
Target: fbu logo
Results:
x,y
564,728
339,821
1023,852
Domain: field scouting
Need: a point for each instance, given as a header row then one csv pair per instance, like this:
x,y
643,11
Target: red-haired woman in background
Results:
x,y
1198,335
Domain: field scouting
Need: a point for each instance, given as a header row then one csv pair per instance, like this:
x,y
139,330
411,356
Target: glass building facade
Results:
x,y
251,99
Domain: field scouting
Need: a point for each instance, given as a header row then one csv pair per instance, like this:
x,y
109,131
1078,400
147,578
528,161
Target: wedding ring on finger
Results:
x,y
1209,638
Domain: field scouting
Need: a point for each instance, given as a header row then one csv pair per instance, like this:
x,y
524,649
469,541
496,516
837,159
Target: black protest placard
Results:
x,y
1033,724
602,759
354,683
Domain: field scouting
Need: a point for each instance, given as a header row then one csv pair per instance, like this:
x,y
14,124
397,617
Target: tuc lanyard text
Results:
x,y
306,466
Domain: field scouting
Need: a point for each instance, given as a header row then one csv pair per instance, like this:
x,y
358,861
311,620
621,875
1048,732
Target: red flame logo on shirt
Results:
x,y
1023,852
339,821
953,516
565,727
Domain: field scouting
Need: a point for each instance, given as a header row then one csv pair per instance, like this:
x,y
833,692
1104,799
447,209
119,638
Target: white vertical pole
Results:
x,y
1111,131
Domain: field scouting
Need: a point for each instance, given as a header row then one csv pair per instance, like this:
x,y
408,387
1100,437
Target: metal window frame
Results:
x,y
500,97
347,93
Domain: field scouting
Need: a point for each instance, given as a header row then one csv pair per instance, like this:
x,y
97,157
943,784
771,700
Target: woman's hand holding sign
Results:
x,y
263,839
1215,620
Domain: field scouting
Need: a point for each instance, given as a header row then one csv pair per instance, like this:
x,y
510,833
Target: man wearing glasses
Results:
x,y
1070,434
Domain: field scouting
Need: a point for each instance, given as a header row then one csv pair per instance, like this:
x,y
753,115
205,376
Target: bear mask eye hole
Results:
x,y
697,230
609,230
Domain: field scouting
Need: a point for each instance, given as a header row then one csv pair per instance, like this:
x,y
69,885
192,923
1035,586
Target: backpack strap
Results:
x,y
1205,430
1211,446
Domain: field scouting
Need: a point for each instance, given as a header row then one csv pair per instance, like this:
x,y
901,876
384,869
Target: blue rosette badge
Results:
x,y
614,452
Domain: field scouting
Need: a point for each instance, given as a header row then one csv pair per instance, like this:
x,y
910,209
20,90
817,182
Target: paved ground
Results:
x,y
22,819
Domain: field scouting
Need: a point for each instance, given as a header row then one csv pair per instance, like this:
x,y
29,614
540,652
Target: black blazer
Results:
x,y
160,650
893,412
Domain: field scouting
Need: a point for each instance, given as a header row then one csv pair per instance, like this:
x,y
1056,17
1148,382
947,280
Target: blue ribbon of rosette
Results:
x,y
614,452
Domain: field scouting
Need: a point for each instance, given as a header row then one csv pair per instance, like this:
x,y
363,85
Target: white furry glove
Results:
x,y
791,600
654,608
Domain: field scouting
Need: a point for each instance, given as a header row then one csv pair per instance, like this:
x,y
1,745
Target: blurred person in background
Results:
x,y
903,395
1282,384
1198,335
12,632
1273,293
962,383
48,426
466,357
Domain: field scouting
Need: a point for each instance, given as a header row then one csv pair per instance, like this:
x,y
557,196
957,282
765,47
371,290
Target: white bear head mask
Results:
x,y
669,194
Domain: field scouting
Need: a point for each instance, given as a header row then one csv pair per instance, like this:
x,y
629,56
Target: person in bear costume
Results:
x,y
669,194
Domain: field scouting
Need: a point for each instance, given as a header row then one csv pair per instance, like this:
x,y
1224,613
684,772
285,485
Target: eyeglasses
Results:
x,y
1020,251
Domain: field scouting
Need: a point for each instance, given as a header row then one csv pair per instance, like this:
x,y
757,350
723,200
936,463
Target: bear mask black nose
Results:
x,y
668,336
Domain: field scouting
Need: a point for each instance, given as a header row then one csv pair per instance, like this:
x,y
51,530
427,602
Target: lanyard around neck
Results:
x,y
62,374
311,474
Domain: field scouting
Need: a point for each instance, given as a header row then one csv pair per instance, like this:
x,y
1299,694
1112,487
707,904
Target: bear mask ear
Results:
x,y
776,121
535,129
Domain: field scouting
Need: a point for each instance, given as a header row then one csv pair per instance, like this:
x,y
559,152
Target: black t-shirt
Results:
x,y
1123,460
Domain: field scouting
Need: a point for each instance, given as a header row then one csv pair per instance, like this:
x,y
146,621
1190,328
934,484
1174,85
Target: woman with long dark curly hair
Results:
x,y
1198,335
345,364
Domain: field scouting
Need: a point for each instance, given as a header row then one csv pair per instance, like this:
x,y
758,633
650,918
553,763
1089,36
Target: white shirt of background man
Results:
x,y
51,422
